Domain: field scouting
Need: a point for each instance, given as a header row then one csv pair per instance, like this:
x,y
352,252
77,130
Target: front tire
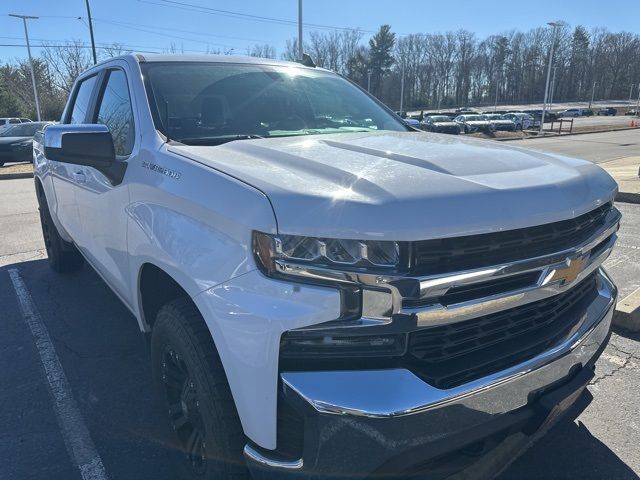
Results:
x,y
63,256
187,369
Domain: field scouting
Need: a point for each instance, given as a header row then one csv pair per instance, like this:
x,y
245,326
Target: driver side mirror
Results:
x,y
90,145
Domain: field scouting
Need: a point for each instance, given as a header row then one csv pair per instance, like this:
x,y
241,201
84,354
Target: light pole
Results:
x,y
369,81
93,43
402,87
638,104
631,92
593,92
555,26
553,87
33,75
300,49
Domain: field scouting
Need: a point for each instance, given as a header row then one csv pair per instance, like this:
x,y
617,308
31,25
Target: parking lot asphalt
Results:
x,y
105,362
595,147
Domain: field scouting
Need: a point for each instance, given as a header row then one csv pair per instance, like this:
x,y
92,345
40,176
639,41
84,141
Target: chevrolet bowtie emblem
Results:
x,y
568,274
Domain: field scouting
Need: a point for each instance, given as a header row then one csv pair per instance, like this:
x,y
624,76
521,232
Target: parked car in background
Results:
x,y
440,124
570,113
587,112
633,112
475,123
26,120
16,142
523,121
8,122
412,122
409,119
501,123
537,115
467,110
608,111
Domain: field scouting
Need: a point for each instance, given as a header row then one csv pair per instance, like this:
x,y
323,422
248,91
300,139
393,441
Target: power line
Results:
x,y
66,46
164,34
244,16
163,28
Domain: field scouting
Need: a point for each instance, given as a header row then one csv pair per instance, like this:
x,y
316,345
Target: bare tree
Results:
x,y
66,62
263,51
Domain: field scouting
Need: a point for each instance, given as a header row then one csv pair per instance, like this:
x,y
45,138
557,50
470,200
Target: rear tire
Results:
x,y
187,369
63,256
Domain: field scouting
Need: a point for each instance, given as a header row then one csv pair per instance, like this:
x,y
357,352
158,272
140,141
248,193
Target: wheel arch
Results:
x,y
156,287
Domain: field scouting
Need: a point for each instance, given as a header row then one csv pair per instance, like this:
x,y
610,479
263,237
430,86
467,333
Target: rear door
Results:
x,y
102,205
66,177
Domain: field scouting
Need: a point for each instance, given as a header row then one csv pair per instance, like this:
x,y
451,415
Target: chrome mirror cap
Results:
x,y
53,133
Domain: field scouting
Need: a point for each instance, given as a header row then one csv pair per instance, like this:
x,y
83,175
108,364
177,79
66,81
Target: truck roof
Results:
x,y
204,58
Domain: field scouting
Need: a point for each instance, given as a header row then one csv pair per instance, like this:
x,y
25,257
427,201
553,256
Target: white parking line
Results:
x,y
76,436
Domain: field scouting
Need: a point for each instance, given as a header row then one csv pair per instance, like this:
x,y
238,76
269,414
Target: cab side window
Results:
x,y
81,103
115,111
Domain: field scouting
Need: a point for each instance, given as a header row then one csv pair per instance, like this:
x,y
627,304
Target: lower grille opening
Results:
x,y
450,355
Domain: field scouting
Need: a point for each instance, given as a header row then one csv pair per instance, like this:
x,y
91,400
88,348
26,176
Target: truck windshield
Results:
x,y
213,103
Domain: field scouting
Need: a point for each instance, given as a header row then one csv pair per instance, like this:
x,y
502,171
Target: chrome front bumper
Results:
x,y
384,413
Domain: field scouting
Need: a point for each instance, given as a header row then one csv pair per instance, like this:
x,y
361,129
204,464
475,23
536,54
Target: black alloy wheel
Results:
x,y
184,409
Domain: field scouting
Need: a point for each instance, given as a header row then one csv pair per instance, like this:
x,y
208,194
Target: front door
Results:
x,y
102,205
66,177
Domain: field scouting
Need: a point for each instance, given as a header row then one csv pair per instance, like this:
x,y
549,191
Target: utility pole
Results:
x,y
631,92
369,81
402,88
300,48
93,43
555,26
638,104
33,74
593,92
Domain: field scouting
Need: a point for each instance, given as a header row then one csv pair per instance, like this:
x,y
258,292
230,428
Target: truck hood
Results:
x,y
407,185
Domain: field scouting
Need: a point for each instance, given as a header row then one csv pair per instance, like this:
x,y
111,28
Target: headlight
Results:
x,y
325,252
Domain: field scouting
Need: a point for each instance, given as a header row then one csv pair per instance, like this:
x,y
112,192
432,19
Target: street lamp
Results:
x,y
402,88
555,26
631,92
300,47
553,87
33,75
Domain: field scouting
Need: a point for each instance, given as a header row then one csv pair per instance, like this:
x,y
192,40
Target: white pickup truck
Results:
x,y
325,290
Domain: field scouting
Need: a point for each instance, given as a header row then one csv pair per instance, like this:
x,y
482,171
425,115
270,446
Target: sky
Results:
x,y
201,25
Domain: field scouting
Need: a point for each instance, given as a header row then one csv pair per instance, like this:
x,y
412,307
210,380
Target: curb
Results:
x,y
566,134
628,197
12,176
627,313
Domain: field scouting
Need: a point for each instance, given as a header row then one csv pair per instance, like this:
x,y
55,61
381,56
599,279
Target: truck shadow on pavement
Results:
x,y
106,362
569,451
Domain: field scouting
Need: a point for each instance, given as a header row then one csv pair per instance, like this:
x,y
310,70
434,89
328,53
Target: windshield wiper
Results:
x,y
218,139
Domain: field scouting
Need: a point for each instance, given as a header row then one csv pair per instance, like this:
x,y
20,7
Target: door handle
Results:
x,y
78,177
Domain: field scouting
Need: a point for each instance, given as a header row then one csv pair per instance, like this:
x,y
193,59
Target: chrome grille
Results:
x,y
450,355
